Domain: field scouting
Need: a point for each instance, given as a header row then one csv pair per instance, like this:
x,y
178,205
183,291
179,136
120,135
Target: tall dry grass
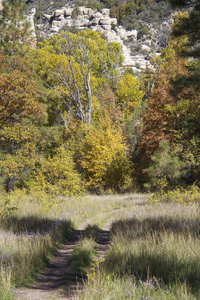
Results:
x,y
31,229
154,254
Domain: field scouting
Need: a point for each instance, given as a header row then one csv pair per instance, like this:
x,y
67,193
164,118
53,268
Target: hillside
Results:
x,y
141,29
142,16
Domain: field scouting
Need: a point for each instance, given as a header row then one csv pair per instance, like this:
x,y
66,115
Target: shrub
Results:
x,y
57,175
101,157
166,168
179,195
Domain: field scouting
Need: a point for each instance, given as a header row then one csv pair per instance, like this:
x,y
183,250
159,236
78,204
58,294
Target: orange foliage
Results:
x,y
166,107
21,111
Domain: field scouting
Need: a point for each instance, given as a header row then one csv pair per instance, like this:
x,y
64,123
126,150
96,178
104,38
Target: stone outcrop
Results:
x,y
102,22
87,18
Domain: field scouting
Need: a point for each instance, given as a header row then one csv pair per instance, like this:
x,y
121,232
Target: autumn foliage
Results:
x,y
172,114
72,119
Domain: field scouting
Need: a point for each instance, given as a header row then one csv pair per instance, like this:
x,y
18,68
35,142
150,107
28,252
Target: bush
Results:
x,y
179,195
57,175
101,157
166,168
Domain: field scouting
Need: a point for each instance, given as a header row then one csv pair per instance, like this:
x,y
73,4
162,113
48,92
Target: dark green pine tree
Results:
x,y
190,26
14,27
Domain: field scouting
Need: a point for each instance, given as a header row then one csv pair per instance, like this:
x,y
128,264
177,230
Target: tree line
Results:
x,y
73,120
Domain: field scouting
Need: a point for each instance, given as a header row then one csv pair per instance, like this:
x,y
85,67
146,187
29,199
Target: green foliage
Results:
x,y
187,23
15,30
138,14
92,232
166,167
109,3
94,4
82,257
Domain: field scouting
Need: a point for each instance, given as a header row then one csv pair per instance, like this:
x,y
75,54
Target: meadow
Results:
x,y
154,251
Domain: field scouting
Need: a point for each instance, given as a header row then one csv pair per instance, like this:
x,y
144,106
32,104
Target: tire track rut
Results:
x,y
58,281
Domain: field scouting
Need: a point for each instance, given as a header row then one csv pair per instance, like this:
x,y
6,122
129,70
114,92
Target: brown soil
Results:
x,y
58,281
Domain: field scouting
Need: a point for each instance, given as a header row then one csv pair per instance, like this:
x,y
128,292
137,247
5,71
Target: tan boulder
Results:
x,y
106,27
1,4
105,21
67,11
113,21
105,12
85,11
94,22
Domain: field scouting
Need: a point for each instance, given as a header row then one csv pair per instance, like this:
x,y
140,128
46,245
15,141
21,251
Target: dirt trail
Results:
x,y
49,284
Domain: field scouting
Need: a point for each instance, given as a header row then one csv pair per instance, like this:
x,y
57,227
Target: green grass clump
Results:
x,y
82,257
165,256
92,232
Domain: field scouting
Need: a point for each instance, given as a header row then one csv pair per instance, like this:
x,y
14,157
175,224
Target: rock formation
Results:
x,y
97,21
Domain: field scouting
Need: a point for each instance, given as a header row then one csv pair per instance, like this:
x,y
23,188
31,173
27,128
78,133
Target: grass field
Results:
x,y
154,251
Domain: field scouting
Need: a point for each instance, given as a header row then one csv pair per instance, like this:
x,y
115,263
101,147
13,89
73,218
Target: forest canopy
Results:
x,y
72,119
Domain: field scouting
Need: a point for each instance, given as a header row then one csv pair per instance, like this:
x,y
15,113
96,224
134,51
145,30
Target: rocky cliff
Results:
x,y
137,51
64,18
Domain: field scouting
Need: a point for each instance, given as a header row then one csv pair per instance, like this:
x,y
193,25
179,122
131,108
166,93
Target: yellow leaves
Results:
x,y
179,19
57,175
179,195
129,93
19,149
74,65
102,156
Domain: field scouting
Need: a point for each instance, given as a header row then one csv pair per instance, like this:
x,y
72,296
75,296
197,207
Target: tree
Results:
x,y
172,114
101,156
15,30
100,149
21,111
76,11
129,93
119,12
188,23
72,65
165,169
